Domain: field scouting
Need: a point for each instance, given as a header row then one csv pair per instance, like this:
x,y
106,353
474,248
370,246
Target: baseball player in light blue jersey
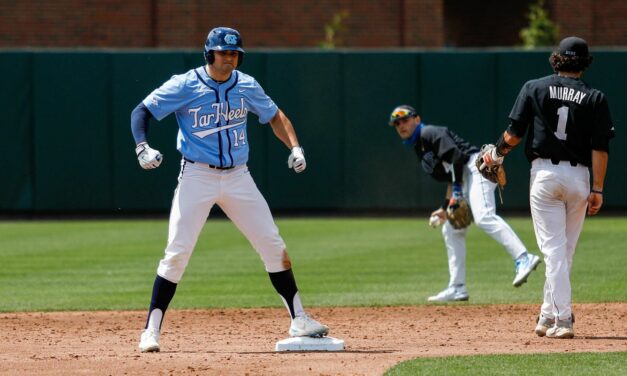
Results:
x,y
211,104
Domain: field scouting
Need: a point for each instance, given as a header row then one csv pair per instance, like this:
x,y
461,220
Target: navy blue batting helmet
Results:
x,y
223,39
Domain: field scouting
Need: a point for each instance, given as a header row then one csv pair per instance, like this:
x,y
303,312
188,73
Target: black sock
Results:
x,y
162,293
285,285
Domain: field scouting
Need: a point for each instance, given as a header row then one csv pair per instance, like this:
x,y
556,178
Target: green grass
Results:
x,y
94,265
584,364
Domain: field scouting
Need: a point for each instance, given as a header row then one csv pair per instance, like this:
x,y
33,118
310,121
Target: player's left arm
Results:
x,y
284,131
603,133
599,169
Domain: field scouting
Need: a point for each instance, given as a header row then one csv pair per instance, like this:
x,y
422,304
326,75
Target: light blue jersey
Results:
x,y
211,116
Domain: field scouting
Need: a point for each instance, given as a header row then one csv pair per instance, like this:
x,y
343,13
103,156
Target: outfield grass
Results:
x,y
584,364
103,265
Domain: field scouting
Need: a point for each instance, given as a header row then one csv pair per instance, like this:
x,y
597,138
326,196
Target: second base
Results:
x,y
310,344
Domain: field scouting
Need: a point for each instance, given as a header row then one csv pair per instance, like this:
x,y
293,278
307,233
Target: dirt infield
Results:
x,y
241,341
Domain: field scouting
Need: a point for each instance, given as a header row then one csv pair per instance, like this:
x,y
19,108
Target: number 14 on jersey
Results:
x,y
240,139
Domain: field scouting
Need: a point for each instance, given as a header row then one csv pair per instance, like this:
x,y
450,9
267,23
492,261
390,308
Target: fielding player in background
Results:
x,y
448,158
211,104
569,127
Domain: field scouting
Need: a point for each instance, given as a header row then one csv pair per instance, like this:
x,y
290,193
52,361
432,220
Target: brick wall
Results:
x,y
70,23
423,23
495,23
297,23
574,18
609,23
601,23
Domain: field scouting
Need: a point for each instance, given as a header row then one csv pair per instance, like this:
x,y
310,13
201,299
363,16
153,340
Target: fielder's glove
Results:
x,y
148,157
458,211
296,159
495,172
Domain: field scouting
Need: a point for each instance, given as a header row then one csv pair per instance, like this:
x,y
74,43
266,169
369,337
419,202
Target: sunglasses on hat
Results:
x,y
400,113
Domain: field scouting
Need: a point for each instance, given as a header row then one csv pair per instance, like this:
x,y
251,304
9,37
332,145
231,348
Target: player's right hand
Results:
x,y
437,217
148,157
296,159
490,156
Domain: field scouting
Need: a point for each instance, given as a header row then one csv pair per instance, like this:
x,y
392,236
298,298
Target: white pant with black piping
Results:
x,y
480,195
200,187
558,198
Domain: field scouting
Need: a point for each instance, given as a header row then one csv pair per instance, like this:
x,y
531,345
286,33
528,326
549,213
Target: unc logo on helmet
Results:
x,y
223,39
230,39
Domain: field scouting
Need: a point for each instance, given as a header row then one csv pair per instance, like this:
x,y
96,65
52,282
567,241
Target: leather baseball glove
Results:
x,y
458,213
494,173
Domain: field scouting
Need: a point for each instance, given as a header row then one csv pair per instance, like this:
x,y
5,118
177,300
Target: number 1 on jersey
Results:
x,y
562,112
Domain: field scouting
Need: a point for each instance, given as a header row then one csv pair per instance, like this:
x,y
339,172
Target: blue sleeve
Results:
x,y
139,123
261,104
168,98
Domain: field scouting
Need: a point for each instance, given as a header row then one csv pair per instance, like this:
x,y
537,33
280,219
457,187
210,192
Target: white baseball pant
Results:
x,y
480,195
558,199
199,188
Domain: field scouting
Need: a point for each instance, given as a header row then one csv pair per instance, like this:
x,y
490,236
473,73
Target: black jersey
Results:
x,y
566,119
441,150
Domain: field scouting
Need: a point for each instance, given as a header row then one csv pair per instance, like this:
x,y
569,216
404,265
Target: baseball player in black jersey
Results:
x,y
448,158
568,127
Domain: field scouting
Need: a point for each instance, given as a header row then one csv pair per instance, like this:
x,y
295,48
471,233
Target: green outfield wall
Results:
x,y
66,141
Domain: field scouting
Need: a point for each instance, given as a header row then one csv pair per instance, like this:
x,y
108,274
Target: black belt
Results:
x,y
556,161
210,165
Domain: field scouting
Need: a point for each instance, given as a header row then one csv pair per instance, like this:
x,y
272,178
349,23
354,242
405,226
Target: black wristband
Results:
x,y
445,203
502,147
596,191
140,148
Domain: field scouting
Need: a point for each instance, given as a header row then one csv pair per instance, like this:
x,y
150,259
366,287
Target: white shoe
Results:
x,y
524,267
451,294
543,325
149,341
305,326
562,329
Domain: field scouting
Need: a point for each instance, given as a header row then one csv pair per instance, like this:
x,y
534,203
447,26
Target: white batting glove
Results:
x,y
148,157
296,159
490,156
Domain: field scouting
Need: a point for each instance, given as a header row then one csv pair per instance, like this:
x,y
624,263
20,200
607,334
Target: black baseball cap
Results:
x,y
573,46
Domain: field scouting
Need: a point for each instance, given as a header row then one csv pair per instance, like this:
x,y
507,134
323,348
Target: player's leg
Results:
x,y
546,319
575,181
455,242
576,206
575,216
193,199
483,205
549,218
249,211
